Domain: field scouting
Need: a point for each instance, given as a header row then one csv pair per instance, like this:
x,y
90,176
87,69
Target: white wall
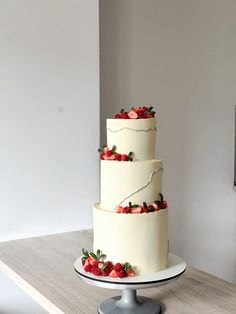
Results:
x,y
49,115
181,56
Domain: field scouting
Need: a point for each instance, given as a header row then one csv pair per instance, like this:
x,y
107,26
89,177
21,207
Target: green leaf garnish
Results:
x,y
101,257
145,204
127,266
161,197
104,267
93,255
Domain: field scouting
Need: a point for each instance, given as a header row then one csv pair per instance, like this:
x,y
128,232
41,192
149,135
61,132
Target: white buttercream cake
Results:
x,y
131,219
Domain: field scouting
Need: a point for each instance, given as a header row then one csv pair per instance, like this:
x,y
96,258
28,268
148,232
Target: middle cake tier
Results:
x,y
135,182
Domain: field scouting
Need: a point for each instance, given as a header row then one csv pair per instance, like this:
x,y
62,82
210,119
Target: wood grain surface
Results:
x,y
43,267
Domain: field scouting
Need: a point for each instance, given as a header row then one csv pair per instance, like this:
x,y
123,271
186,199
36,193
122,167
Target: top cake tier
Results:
x,y
136,135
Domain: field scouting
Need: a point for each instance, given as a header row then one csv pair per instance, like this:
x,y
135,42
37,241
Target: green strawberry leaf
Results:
x,y
145,204
100,151
127,266
130,204
161,197
102,257
104,267
122,111
93,255
98,252
135,206
113,149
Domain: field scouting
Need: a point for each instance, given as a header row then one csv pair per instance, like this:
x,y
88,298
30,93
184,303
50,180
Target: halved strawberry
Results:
x,y
105,149
112,157
106,157
130,273
156,207
136,210
100,265
113,274
120,209
133,115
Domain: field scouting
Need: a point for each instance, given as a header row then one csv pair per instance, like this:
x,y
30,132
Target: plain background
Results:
x,y
180,57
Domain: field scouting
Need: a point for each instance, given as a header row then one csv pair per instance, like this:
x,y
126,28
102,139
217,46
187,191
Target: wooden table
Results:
x,y
43,267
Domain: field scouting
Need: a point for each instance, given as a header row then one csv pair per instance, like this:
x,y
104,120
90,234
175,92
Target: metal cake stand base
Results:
x,y
129,303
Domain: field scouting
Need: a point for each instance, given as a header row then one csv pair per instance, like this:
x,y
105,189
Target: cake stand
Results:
x,y
129,303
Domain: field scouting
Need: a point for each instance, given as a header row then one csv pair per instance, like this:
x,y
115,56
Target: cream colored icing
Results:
x,y
140,239
124,182
136,135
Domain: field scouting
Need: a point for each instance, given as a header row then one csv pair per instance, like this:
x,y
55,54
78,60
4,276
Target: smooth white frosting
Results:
x,y
130,181
140,239
135,135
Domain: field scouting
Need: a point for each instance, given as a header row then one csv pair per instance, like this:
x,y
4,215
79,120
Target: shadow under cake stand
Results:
x,y
129,303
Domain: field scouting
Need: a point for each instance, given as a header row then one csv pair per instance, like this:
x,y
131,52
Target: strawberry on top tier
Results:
x,y
136,113
111,154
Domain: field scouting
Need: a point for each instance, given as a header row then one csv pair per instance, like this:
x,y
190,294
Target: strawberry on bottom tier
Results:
x,y
140,239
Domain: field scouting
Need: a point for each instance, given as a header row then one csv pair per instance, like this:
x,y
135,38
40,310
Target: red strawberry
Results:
x,y
139,111
144,209
113,274
133,115
150,115
97,272
106,272
118,157
109,152
118,267
163,205
106,157
117,116
136,210
122,274
112,157
124,115
102,156
127,210
130,273
90,261
119,209
88,268
124,157
109,264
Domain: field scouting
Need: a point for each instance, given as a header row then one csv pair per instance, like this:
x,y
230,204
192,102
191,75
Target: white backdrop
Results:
x,y
49,116
181,57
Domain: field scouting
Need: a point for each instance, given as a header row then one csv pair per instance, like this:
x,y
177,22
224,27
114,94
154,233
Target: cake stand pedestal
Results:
x,y
129,303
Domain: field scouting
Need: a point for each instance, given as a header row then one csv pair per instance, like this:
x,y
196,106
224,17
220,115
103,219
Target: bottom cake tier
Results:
x,y
140,239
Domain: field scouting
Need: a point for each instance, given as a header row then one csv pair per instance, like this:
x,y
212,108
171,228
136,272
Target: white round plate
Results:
x,y
176,267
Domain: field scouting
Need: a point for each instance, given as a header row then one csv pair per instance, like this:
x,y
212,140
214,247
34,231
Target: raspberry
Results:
x,y
117,116
97,272
124,115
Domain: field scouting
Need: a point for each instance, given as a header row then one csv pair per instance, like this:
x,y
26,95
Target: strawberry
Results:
x,y
148,115
118,157
145,108
109,264
144,209
151,208
122,274
112,157
139,111
130,273
97,272
106,272
90,261
127,210
156,207
163,205
83,262
88,268
119,209
124,157
117,116
136,210
133,115
109,152
124,115
118,267
106,157
113,274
